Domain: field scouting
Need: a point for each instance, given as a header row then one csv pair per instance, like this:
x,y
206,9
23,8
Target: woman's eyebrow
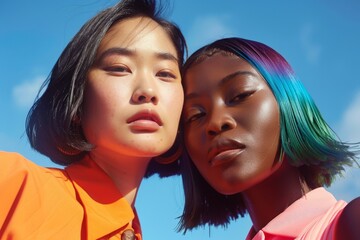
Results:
x,y
116,51
222,81
191,96
167,56
227,78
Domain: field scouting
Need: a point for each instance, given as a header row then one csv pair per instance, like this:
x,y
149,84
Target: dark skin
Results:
x,y
286,181
231,112
348,226
250,116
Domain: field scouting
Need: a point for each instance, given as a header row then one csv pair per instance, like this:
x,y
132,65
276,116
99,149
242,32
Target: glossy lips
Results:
x,y
224,150
145,121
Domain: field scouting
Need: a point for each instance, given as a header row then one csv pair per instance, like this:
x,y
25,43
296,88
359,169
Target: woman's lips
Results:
x,y
225,156
145,121
224,151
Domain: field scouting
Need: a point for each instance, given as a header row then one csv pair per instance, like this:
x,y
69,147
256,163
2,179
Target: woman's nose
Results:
x,y
145,92
220,121
144,96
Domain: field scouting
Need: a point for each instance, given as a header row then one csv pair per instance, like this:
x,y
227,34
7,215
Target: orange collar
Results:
x,y
105,209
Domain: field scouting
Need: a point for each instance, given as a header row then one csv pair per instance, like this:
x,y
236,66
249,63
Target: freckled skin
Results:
x,y
241,108
120,85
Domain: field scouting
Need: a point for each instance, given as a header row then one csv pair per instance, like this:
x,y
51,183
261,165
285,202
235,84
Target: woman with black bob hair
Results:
x,y
60,106
103,114
265,148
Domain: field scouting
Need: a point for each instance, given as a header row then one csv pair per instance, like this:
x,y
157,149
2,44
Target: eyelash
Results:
x,y
123,69
117,69
241,97
168,75
195,117
238,98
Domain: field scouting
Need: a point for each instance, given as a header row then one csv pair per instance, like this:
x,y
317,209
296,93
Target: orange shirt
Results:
x,y
78,202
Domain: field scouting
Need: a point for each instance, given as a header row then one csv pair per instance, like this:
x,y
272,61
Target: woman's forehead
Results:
x,y
210,71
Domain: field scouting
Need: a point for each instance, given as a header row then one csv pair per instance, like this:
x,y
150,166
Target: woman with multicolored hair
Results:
x,y
265,148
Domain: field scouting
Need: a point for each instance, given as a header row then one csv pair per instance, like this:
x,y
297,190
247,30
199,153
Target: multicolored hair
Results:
x,y
306,139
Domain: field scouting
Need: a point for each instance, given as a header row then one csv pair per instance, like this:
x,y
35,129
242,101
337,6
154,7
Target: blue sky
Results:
x,y
320,39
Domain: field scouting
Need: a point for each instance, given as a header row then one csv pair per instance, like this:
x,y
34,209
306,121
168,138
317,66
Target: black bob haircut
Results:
x,y
52,125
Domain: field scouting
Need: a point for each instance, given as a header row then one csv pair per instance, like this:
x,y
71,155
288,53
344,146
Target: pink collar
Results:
x,y
291,222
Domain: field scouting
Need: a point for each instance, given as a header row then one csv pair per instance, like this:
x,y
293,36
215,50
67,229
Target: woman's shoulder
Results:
x,y
39,198
14,163
348,225
10,155
15,166
25,181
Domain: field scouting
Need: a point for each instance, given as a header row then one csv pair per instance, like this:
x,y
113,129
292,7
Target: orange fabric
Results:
x,y
314,216
78,202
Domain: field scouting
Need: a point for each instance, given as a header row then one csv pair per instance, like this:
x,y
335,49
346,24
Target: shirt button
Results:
x,y
128,234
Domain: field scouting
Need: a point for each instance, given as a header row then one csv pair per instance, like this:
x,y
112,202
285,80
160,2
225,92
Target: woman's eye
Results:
x,y
117,69
166,75
241,97
194,117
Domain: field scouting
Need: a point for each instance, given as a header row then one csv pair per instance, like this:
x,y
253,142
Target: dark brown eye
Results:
x,y
120,69
166,75
193,114
241,97
195,117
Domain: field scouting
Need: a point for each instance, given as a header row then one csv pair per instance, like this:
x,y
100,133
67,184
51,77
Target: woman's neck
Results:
x,y
126,172
272,196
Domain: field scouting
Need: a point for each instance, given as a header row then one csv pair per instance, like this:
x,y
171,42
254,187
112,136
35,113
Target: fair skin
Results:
x,y
231,112
133,83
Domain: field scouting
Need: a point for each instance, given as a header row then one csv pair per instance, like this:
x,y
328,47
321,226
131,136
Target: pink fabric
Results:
x,y
313,216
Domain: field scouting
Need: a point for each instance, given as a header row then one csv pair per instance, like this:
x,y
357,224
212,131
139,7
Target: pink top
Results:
x,y
314,216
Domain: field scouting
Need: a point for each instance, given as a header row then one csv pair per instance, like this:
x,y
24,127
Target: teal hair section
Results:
x,y
306,138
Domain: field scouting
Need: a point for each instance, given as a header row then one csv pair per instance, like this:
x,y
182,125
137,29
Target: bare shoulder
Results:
x,y
348,226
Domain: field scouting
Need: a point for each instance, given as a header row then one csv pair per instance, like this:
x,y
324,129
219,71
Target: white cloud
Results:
x,y
311,49
349,128
206,29
24,94
348,187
